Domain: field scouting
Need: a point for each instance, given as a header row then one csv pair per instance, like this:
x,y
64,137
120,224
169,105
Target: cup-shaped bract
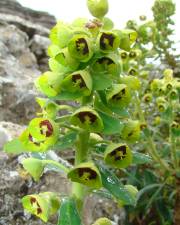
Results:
x,y
173,94
107,64
127,38
49,108
168,75
80,47
102,221
42,205
132,82
162,104
86,173
98,8
60,34
135,54
131,131
124,56
175,127
107,24
79,81
118,155
133,71
49,83
108,41
63,57
40,135
147,97
88,119
119,95
34,167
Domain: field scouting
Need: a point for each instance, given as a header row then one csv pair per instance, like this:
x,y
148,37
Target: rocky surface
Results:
x,y
23,44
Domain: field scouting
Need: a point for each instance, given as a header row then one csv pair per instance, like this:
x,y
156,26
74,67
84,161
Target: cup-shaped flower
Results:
x,y
168,75
118,155
80,47
49,83
131,131
161,104
131,81
147,98
119,95
79,81
132,71
102,221
34,167
65,59
108,41
124,55
40,135
127,38
135,54
175,127
86,173
98,8
174,95
106,64
42,205
88,119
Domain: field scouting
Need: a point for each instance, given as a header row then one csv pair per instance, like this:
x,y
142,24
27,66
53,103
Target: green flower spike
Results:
x,y
40,135
42,205
118,155
49,83
119,95
108,41
102,221
131,131
127,38
34,167
79,81
87,174
98,8
88,119
65,59
132,82
108,64
80,47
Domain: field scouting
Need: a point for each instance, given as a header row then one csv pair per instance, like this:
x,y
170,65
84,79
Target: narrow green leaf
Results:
x,y
68,214
139,158
111,182
14,147
66,95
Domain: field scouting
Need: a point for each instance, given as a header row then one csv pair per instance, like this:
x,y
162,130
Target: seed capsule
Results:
x,y
98,8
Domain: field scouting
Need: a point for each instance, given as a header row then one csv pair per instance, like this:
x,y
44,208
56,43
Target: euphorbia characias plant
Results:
x,y
87,65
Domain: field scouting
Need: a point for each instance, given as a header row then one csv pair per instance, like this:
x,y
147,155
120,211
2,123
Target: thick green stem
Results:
x,y
81,155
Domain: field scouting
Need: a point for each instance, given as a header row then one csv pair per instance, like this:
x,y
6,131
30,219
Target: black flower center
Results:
x,y
81,45
85,116
90,174
47,128
106,39
105,60
119,153
78,80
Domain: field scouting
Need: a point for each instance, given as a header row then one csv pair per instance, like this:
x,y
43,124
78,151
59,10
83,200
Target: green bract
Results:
x,y
49,83
119,95
98,8
127,38
80,47
34,167
88,119
40,135
107,64
131,131
42,205
87,174
132,82
118,155
79,81
108,41
102,221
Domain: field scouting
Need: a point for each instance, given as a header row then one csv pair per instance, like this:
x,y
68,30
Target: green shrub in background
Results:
x,y
123,125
